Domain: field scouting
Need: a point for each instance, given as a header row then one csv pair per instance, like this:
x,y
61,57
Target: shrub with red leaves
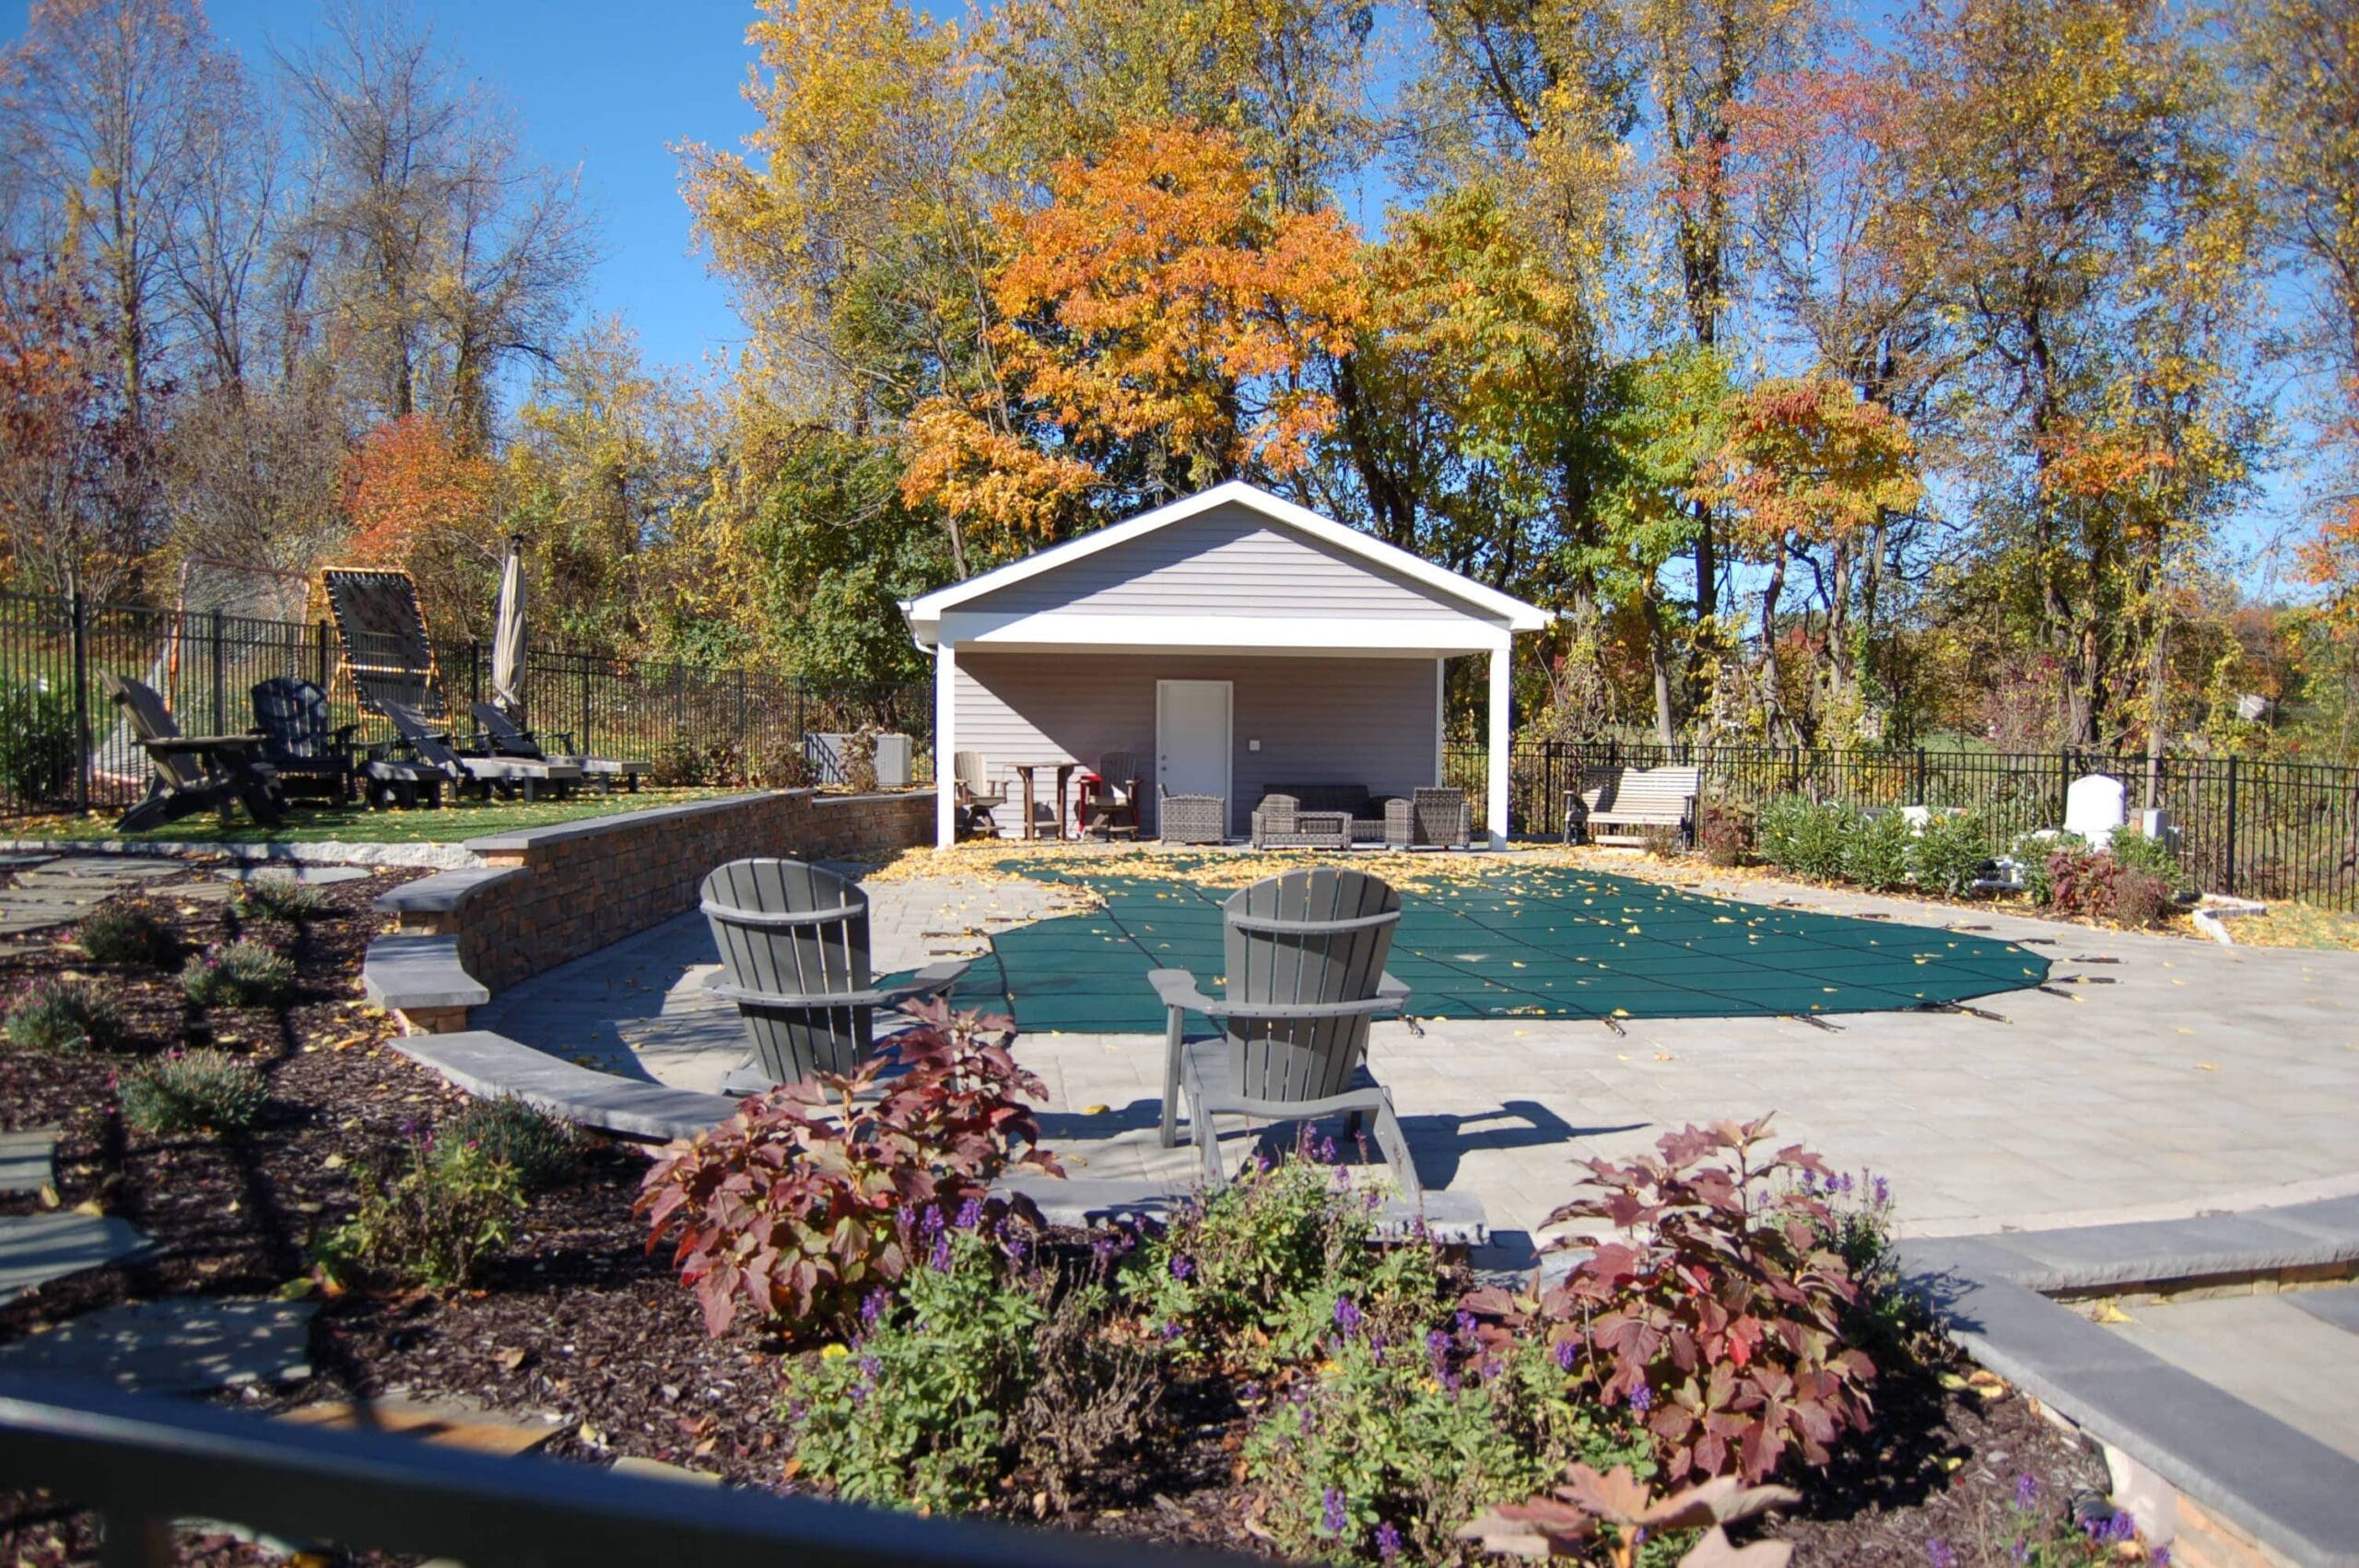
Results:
x,y
815,1194
1715,1306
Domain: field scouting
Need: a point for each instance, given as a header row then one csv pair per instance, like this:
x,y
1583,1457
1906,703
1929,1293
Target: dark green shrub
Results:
x,y
2153,856
38,741
1723,834
54,1014
1252,1275
985,1361
1379,1453
1800,836
244,973
779,762
1948,852
191,1092
428,1223
1875,850
544,1151
128,930
279,898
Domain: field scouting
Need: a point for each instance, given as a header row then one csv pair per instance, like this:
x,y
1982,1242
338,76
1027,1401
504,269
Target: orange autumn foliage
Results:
x,y
1157,306
409,481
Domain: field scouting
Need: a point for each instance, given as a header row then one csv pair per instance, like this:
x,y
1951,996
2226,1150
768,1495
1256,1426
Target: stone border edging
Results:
x,y
324,852
490,1066
2282,1486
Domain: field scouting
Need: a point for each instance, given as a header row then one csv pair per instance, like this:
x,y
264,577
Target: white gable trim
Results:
x,y
924,613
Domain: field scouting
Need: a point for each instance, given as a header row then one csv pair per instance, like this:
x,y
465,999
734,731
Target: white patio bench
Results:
x,y
1619,806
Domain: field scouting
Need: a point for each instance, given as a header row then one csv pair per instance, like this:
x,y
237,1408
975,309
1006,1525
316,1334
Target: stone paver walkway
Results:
x,y
2157,1078
37,1248
181,1345
2266,1351
55,892
28,1160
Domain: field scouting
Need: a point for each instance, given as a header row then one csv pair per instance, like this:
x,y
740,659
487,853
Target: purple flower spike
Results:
x,y
1566,1354
1388,1541
1331,1512
940,1258
1327,1156
1939,1553
1347,1315
2026,1491
1642,1399
970,1213
1466,1321
1183,1266
872,1306
1169,1331
1884,1192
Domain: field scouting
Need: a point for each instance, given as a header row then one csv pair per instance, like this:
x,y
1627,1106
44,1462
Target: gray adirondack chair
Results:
x,y
1306,954
793,943
193,773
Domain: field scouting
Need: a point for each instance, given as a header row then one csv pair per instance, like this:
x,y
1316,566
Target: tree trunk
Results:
x,y
1774,717
1658,660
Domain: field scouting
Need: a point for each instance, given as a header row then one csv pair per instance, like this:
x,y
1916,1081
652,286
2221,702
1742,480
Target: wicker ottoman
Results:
x,y
1194,819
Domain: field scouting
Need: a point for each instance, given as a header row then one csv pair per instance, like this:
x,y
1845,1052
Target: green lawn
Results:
x,y
324,821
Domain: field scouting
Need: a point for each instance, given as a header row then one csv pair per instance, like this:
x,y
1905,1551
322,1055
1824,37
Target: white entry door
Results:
x,y
1191,737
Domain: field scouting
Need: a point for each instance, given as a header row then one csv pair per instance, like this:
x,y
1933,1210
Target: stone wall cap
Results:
x,y
594,826
401,972
445,892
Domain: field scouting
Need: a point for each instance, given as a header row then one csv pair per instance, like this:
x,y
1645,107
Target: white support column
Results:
x,y
1441,679
946,744
1500,740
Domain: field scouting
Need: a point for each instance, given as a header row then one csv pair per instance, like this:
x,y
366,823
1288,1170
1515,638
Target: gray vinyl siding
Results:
x,y
1321,720
1228,561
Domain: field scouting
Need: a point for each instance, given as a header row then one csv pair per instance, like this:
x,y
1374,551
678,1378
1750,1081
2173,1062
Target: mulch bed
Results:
x,y
580,1322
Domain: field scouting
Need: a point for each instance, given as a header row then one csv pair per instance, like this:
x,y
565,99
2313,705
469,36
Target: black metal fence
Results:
x,y
2266,829
141,1460
65,746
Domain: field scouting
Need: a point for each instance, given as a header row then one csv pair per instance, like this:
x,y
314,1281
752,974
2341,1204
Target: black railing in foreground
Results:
x,y
2268,829
140,1461
53,650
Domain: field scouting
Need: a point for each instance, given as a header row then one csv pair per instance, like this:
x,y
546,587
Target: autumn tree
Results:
x,y
75,466
417,498
1154,325
1808,471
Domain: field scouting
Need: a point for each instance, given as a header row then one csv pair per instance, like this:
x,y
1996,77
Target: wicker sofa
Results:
x,y
1366,810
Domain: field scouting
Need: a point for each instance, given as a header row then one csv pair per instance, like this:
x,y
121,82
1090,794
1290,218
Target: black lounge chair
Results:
x,y
193,773
1305,955
793,943
431,744
507,738
310,753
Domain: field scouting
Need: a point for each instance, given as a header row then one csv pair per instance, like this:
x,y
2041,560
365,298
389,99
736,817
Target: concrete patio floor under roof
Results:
x,y
2157,1077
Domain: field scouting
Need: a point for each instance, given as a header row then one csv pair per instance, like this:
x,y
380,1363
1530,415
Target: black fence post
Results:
x,y
80,612
474,670
220,682
2228,876
745,742
326,634
583,740
1920,777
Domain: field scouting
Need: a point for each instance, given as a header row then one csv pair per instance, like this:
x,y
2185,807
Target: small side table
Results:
x,y
1323,830
1025,770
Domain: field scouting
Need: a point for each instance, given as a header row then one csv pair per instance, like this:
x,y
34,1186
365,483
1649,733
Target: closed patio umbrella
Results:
x,y
507,634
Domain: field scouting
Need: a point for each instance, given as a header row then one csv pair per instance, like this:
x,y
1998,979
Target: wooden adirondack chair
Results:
x,y
193,773
1305,955
793,943
976,799
300,739
509,739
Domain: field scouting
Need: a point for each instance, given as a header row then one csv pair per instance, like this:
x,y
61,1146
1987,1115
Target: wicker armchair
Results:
x,y
1430,819
1280,823
1190,819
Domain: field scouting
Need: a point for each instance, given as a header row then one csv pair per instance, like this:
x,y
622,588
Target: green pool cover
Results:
x,y
1543,941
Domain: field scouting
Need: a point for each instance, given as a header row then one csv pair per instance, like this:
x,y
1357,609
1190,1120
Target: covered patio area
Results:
x,y
1230,645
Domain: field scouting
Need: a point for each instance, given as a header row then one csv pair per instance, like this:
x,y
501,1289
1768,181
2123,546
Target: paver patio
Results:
x,y
2194,1077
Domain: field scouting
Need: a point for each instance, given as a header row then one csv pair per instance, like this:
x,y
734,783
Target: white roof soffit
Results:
x,y
924,613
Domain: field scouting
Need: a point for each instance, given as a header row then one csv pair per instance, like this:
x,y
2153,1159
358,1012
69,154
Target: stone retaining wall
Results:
x,y
554,894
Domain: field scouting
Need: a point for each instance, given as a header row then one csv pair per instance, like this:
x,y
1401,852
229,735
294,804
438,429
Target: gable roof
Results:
x,y
925,612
